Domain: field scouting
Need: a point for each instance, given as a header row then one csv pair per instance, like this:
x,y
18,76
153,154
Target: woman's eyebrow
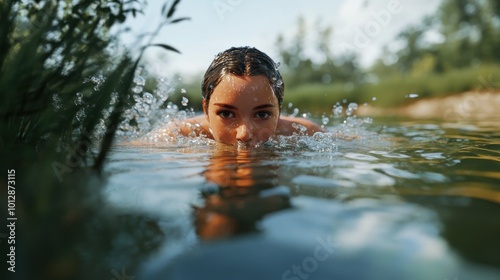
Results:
x,y
263,106
225,105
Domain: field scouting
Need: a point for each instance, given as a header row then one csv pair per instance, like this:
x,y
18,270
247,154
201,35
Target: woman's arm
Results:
x,y
197,125
286,126
290,125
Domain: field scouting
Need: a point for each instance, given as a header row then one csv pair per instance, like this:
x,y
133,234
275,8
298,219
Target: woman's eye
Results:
x,y
225,114
262,115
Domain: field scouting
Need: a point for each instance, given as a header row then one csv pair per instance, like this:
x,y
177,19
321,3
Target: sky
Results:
x,y
362,26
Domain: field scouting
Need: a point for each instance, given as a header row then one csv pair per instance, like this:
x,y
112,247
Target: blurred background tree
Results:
x,y
444,54
324,68
467,35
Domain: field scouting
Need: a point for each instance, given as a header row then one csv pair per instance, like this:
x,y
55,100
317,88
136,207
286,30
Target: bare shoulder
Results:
x,y
291,125
197,125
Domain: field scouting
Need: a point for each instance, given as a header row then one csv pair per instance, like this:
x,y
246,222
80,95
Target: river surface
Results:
x,y
370,199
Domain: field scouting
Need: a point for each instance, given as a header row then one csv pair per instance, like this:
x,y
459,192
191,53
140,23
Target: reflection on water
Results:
x,y
243,194
401,200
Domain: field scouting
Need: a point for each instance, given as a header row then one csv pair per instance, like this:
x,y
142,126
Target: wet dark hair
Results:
x,y
242,61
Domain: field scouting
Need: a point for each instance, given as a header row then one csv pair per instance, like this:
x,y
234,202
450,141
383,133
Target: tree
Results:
x,y
470,36
323,67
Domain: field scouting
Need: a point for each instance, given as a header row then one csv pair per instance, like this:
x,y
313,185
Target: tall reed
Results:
x,y
64,84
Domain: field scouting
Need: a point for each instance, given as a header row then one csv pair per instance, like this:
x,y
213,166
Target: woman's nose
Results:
x,y
244,132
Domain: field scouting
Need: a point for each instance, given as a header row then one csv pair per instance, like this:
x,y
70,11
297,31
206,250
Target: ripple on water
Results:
x,y
366,177
399,173
389,155
321,182
362,157
431,156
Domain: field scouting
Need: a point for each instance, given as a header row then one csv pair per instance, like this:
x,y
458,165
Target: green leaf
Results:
x,y
163,8
172,9
167,47
180,19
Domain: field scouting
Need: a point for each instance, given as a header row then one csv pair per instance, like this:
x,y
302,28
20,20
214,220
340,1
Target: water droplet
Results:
x,y
412,95
351,108
184,101
137,98
337,110
181,115
137,89
148,97
80,115
105,114
302,129
78,99
183,91
324,120
374,98
56,102
139,80
295,112
114,98
290,105
98,81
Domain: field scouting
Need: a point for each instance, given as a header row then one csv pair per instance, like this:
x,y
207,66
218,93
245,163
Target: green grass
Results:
x,y
392,92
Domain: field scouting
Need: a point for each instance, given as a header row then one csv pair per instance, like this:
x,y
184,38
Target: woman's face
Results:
x,y
243,110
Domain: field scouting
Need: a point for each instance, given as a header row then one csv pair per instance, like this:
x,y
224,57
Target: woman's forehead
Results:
x,y
232,87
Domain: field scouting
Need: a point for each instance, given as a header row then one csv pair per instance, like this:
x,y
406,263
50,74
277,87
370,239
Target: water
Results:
x,y
372,199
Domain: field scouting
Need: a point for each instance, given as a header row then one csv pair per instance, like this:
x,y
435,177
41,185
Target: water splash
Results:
x,y
114,98
151,118
146,111
79,99
337,109
137,89
324,120
81,115
139,80
351,108
56,102
148,98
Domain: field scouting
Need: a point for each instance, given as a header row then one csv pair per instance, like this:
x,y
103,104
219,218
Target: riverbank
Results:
x,y
468,105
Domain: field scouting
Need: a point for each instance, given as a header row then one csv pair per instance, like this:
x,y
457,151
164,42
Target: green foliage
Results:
x,y
298,68
64,84
320,98
51,51
393,91
470,36
466,51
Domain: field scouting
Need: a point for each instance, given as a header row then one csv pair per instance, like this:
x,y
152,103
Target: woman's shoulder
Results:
x,y
290,125
197,125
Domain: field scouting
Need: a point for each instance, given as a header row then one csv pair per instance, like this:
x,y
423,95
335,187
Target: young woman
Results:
x,y
242,98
